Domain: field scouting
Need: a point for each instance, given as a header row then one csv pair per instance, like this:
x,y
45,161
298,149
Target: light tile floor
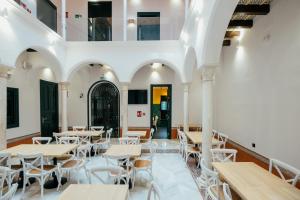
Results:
x,y
169,171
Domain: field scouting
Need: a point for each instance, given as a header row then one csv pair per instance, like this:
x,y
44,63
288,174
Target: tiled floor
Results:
x,y
169,171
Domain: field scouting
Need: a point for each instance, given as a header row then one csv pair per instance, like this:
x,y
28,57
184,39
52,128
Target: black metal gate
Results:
x,y
104,106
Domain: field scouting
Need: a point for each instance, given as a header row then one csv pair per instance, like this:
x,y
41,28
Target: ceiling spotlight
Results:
x,y
155,66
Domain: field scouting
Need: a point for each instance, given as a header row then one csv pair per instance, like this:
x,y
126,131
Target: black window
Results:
x,y
12,107
47,13
148,25
100,21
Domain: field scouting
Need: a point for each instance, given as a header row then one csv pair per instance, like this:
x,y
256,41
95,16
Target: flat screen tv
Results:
x,y
137,96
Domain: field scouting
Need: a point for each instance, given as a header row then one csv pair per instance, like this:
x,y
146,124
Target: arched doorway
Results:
x,y
104,106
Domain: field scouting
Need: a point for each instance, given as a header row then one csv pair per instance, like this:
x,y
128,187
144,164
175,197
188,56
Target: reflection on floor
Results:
x,y
169,171
161,133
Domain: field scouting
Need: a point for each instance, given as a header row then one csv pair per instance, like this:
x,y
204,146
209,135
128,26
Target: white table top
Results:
x,y
136,134
95,192
81,133
124,150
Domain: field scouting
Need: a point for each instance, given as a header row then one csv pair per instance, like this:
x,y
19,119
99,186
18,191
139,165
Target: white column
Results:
x,y
207,113
125,108
63,19
186,108
3,102
125,20
186,8
64,105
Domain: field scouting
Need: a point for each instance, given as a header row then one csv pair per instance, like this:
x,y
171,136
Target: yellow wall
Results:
x,y
158,92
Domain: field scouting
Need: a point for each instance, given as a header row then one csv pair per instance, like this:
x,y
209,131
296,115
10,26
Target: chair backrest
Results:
x,y
97,128
223,140
41,140
223,155
79,128
154,192
10,194
123,160
94,172
57,136
3,177
227,192
83,150
151,133
280,166
209,176
129,140
32,162
108,134
69,140
215,133
5,159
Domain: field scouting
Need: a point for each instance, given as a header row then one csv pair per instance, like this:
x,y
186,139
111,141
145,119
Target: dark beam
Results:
x,y
240,24
253,9
232,34
226,43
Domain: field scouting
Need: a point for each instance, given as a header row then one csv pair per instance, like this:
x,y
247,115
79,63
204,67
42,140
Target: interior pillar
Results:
x,y
3,109
125,108
207,113
125,20
186,108
64,105
186,8
63,19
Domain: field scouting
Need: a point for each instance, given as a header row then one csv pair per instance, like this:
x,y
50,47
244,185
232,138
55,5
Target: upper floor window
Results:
x,y
100,21
148,26
47,13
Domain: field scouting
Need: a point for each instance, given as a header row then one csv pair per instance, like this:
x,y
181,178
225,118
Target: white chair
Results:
x,y
57,136
181,143
190,150
14,170
222,140
41,140
79,128
207,178
145,163
223,155
129,140
227,192
154,192
147,142
94,172
11,192
3,178
97,128
279,166
69,140
75,164
102,143
33,167
122,161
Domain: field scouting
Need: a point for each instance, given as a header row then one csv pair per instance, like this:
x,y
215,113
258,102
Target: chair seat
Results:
x,y
71,163
142,163
64,157
16,167
46,168
217,193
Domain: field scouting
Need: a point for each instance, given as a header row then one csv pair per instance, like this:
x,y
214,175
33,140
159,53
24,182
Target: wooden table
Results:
x,y
196,138
252,182
124,150
136,134
48,150
95,192
81,133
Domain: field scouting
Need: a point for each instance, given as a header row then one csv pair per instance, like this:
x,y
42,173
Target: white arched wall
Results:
x,y
20,30
27,80
80,82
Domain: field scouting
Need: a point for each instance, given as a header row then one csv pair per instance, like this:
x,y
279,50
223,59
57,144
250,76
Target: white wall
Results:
x,y
27,80
257,86
83,79
172,18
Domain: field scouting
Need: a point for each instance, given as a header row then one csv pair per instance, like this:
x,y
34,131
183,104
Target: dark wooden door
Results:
x,y
49,108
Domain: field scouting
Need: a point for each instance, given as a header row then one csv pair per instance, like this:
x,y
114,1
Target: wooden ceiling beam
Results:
x,y
253,9
240,24
226,43
232,34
